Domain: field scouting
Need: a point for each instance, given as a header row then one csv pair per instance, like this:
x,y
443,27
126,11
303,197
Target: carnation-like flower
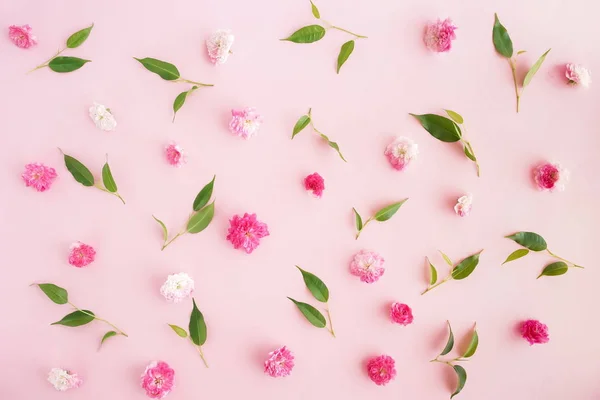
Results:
x,y
219,46
245,232
175,155
463,205
551,176
39,176
382,369
21,36
157,380
578,75
63,380
534,332
401,314
279,363
368,265
439,35
401,152
177,287
314,184
245,123
102,117
81,254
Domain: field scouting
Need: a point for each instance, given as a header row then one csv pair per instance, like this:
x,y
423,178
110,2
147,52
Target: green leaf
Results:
x,y
307,34
449,343
433,273
315,10
521,52
107,179
515,255
197,326
66,64
164,228
555,269
456,117
107,335
204,195
461,374
310,313
79,171
77,39
335,146
447,259
439,127
345,51
469,154
302,123
201,219
388,212
179,331
534,69
530,240
358,220
472,345
501,39
165,70
466,267
55,293
180,100
76,318
316,286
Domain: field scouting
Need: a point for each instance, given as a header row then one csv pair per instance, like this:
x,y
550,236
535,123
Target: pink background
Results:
x,y
243,297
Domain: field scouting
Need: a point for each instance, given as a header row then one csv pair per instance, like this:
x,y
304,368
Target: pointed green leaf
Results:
x,y
203,197
79,171
335,146
469,153
530,240
179,331
432,272
180,100
501,39
315,10
77,39
165,70
358,220
76,318
197,326
388,212
313,315
107,335
316,286
447,259
107,179
516,255
472,345
466,267
439,127
307,34
456,117
54,293
461,374
302,123
555,269
201,219
66,64
345,51
521,52
164,228
534,69
449,343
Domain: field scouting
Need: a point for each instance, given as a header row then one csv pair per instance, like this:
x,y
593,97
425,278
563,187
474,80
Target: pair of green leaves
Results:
x,y
306,120
68,64
321,293
459,271
382,215
197,329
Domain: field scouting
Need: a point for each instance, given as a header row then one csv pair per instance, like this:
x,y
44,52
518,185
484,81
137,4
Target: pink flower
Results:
x,y
280,363
175,155
315,184
245,232
463,205
81,254
534,332
219,46
63,379
439,35
177,287
39,176
21,36
367,265
245,123
401,152
157,380
401,314
381,369
551,176
578,75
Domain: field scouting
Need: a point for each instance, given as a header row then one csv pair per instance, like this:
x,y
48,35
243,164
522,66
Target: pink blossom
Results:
x,y
39,176
401,152
382,369
175,155
157,380
245,123
280,363
63,379
534,332
439,35
245,232
578,75
551,176
21,36
367,265
463,205
315,184
219,46
401,314
81,254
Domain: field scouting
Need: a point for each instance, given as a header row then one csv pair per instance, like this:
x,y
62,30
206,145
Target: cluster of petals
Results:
x,y
39,176
177,287
102,117
245,232
81,254
157,379
367,265
219,46
578,75
401,314
381,369
21,36
280,363
401,152
314,184
439,35
245,122
175,155
463,205
551,176
63,379
534,332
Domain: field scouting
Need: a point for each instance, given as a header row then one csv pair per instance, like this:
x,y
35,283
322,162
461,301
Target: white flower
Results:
x,y
177,287
578,74
219,46
401,152
102,117
463,206
63,380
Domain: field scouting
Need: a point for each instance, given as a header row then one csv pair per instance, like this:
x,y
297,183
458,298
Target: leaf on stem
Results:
x,y
313,315
180,100
472,344
456,117
461,374
515,255
307,34
555,269
179,331
449,343
197,326
302,123
501,39
315,10
388,212
66,64
466,267
432,273
76,318
534,69
345,52
201,219
315,285
55,293
447,259
107,335
530,240
165,70
439,127
203,197
77,39
164,228
79,171
107,179
358,220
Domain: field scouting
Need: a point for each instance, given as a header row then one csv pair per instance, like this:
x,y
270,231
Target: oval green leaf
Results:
x,y
456,117
447,259
302,123
108,180
179,331
201,219
107,335
204,195
358,220
449,343
472,345
439,127
77,39
501,39
54,293
79,171
313,315
316,286
388,212
76,318
535,68
432,273
530,240
461,374
164,228
66,64
345,51
165,70
315,10
555,269
515,255
469,154
307,34
178,103
466,267
197,326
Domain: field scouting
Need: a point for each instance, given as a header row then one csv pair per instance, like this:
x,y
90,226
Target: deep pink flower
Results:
x,y
245,123
21,36
315,184
534,332
279,363
551,176
39,176
245,232
175,155
81,254
401,314
578,75
382,369
401,152
157,380
367,265
439,35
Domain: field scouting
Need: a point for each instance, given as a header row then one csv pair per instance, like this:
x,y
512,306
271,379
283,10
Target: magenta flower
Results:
x,y
401,314
245,232
81,254
175,155
245,123
157,379
463,205
367,265
280,363
439,35
21,36
551,176
535,332
314,184
39,176
382,369
578,75
401,152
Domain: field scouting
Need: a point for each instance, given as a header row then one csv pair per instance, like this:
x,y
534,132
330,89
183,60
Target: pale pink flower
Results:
x,y
157,379
63,379
81,254
245,232
534,332
401,314
401,152
382,369
439,35
39,176
367,265
245,123
102,117
21,36
463,205
551,176
219,46
175,155
279,363
314,184
578,75
177,287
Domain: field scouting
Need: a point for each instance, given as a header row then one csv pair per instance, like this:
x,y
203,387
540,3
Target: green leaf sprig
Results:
x,y
62,64
531,241
169,72
197,328
314,33
199,219
305,121
504,47
78,317
457,272
448,130
461,373
382,215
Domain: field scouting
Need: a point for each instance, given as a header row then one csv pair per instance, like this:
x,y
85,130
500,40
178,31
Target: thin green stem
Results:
x,y
119,331
201,355
560,258
363,227
330,323
449,277
45,64
347,31
467,144
171,241
193,82
513,68
442,361
109,192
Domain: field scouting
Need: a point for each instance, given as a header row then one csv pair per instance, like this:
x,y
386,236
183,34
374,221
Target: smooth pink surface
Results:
x,y
243,297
